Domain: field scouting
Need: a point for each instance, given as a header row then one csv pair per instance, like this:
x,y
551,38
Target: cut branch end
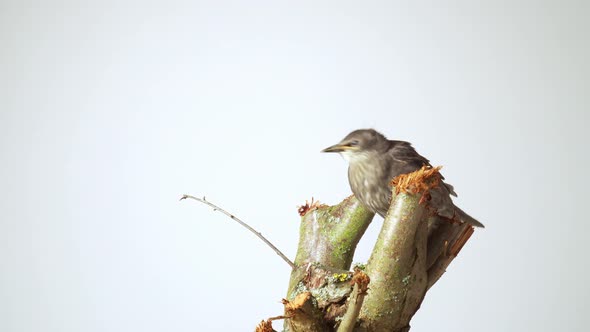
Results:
x,y
309,206
421,180
463,238
265,326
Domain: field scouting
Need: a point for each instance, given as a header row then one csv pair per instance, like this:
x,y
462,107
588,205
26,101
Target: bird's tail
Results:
x,y
467,218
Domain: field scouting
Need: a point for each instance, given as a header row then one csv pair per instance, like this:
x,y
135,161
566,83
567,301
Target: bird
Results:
x,y
374,160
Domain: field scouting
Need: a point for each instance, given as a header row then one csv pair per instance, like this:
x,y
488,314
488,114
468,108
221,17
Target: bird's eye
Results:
x,y
353,143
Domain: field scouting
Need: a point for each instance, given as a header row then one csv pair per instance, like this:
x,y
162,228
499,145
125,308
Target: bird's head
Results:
x,y
358,144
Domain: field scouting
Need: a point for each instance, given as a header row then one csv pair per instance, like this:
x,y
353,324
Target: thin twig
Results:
x,y
355,301
217,208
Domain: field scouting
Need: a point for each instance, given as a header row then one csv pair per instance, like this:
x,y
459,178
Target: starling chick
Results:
x,y
374,161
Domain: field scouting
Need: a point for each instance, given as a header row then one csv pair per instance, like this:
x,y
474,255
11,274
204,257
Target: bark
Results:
x,y
329,234
328,238
397,267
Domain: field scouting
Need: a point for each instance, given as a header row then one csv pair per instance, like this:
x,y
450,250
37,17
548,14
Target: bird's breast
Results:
x,y
370,185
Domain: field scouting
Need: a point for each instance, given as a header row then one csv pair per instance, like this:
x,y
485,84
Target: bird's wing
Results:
x,y
406,156
408,160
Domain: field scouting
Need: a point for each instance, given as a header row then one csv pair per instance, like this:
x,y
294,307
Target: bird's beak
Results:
x,y
337,148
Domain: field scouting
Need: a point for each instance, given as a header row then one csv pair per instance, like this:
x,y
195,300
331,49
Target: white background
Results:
x,y
109,112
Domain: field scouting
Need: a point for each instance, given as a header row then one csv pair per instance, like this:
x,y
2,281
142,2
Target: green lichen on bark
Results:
x,y
328,235
328,239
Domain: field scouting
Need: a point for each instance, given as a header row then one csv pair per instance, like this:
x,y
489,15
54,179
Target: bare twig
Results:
x,y
355,301
277,317
217,208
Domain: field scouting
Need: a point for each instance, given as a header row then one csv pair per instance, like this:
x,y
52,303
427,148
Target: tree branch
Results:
x,y
260,236
328,238
397,265
414,248
329,234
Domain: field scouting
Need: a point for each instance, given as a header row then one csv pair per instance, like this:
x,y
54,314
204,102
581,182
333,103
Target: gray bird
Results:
x,y
374,161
